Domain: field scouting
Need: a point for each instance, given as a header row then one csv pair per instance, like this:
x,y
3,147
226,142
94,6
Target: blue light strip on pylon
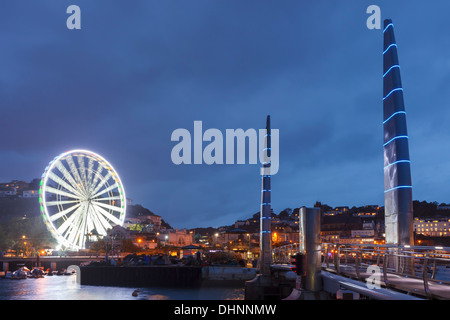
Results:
x,y
389,25
395,138
394,114
394,66
397,162
390,46
396,89
398,187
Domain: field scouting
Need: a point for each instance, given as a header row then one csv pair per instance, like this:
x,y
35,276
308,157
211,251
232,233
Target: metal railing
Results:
x,y
282,255
417,270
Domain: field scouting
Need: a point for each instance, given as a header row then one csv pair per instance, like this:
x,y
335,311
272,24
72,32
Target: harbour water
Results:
x,y
67,288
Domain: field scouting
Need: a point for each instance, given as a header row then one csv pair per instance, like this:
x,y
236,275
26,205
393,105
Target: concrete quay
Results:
x,y
166,275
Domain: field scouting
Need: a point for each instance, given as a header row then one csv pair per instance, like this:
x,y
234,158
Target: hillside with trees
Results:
x,y
22,227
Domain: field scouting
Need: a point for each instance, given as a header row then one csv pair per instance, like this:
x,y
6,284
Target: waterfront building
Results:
x,y
365,214
432,227
175,237
148,223
31,193
364,233
285,237
7,191
155,220
330,237
336,211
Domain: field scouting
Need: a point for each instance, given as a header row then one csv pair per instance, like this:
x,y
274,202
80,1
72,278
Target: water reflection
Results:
x,y
67,288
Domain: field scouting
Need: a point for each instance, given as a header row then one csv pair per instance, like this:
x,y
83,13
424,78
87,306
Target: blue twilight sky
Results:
x,y
138,70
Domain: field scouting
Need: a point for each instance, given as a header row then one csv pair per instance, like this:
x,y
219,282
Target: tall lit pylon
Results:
x,y
266,212
397,165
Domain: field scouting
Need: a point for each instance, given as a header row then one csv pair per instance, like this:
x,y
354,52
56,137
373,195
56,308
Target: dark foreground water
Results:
x,y
67,288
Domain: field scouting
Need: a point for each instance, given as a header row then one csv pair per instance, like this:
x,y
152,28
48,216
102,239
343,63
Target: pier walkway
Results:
x,y
419,271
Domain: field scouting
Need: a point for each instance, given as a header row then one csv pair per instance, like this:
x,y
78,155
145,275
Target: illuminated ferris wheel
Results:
x,y
81,195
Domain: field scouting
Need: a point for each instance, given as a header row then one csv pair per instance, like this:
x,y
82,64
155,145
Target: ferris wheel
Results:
x,y
80,195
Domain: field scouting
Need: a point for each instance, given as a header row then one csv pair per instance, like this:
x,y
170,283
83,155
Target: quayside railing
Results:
x,y
418,270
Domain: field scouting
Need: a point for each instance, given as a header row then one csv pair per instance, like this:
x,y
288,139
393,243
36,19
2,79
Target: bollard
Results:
x,y
310,246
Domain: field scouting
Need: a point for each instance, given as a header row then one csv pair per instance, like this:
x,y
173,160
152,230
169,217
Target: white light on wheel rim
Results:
x,y
80,192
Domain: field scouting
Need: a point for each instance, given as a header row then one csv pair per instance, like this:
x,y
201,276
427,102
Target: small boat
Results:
x,y
60,272
21,273
36,273
69,273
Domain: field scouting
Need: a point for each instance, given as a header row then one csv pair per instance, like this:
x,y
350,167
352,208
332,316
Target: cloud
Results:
x,y
135,73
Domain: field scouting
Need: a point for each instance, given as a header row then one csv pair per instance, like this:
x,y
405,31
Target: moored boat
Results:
x,y
36,273
21,273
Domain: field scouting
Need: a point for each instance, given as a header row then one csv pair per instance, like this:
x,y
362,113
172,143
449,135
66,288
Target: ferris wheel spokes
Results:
x,y
103,181
111,187
80,193
61,192
89,169
68,223
63,183
70,179
107,214
98,224
64,212
82,172
101,217
74,171
58,203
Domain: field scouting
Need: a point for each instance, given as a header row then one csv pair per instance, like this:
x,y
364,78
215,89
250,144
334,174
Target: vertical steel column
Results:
x,y
310,246
397,171
266,211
